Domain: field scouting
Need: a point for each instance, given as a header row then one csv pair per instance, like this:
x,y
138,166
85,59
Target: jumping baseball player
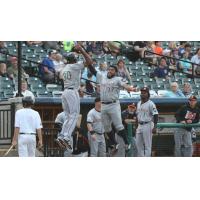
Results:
x,y
27,125
147,118
71,75
110,86
96,131
187,114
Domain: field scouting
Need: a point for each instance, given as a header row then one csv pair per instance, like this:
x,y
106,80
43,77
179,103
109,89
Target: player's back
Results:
x,y
71,75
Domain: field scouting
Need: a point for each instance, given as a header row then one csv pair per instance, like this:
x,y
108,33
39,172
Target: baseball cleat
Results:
x,y
67,144
127,147
114,149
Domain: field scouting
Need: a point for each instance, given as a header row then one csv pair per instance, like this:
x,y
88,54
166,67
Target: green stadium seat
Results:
x,y
43,94
57,93
53,87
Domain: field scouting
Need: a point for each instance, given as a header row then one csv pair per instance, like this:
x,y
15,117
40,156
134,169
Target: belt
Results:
x,y
142,123
27,133
99,133
69,88
108,102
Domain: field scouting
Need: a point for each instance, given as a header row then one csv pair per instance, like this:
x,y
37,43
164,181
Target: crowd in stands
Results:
x,y
165,76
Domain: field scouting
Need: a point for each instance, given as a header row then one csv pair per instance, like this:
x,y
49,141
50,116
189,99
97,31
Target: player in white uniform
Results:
x,y
27,125
96,131
110,86
147,118
71,75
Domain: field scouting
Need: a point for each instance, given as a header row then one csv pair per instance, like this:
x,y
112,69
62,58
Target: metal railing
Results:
x,y
163,144
177,59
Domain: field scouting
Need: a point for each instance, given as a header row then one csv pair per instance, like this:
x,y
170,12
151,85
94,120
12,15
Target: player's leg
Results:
x,y
109,133
71,102
101,146
22,146
31,145
139,142
115,114
147,137
178,141
187,142
93,146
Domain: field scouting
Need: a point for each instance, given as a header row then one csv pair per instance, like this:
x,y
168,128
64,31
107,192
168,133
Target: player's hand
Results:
x,y
132,89
14,142
189,121
78,48
183,122
154,130
93,137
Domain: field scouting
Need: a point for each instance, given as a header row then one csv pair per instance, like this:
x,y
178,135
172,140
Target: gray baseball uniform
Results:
x,y
71,75
98,146
145,113
110,110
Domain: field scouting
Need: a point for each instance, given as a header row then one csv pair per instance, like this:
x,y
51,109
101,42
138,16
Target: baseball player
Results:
x,y
110,86
71,75
187,114
27,125
96,131
147,118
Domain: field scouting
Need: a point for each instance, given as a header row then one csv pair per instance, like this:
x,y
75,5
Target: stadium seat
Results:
x,y
36,87
57,93
43,94
53,87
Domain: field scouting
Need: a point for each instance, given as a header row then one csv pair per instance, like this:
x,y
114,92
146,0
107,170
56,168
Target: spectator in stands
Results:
x,y
105,48
196,58
162,70
89,85
51,45
138,50
185,66
148,56
3,70
94,48
13,69
58,62
3,48
188,49
24,90
175,90
123,71
47,68
181,48
103,68
187,90
158,49
82,90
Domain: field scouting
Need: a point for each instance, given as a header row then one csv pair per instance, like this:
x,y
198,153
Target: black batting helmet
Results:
x,y
27,101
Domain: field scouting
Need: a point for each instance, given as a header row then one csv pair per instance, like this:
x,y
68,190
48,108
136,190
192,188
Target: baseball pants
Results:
x,y
71,107
98,146
183,143
144,139
111,113
26,145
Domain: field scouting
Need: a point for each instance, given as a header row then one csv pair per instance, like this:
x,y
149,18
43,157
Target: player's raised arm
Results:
x,y
130,88
88,59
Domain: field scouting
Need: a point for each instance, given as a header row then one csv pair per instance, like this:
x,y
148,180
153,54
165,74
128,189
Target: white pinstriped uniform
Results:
x,y
71,75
